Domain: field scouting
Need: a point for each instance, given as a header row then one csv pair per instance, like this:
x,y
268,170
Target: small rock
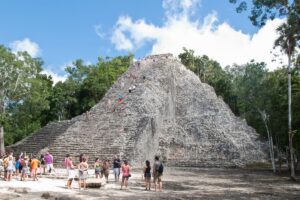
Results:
x,y
46,195
65,197
21,190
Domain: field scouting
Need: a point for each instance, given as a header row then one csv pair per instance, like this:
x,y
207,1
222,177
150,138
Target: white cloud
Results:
x,y
32,48
98,31
219,41
65,65
55,77
180,8
119,38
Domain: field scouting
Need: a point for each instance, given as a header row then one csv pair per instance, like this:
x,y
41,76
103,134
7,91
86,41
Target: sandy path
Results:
x,y
178,184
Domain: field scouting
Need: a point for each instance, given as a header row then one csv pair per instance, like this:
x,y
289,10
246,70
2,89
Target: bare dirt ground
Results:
x,y
179,183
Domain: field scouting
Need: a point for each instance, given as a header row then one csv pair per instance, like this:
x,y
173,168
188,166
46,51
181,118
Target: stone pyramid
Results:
x,y
168,112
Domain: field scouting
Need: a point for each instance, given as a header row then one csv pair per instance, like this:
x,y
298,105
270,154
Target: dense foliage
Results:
x,y
29,100
288,40
250,90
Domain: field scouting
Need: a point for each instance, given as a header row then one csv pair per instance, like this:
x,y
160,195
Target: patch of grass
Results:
x,y
258,165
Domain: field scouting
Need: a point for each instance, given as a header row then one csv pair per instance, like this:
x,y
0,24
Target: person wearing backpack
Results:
x,y
157,172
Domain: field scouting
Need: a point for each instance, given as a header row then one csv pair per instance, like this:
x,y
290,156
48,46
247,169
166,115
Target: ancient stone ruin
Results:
x,y
157,107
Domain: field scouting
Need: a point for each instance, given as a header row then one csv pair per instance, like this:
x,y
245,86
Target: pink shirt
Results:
x,y
125,170
68,163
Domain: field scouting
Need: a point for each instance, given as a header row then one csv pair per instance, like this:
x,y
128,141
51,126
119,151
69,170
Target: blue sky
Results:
x,y
61,31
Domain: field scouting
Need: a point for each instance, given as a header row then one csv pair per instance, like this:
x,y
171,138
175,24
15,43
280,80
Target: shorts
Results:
x,y
157,178
11,169
33,169
105,172
83,175
97,171
125,177
25,170
71,174
147,175
20,168
117,171
49,166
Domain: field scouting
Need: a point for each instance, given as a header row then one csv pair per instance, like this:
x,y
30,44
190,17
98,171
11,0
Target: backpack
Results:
x,y
5,163
160,168
17,164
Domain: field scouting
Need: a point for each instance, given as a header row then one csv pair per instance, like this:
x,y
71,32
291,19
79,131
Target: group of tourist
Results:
x,y
27,166
102,171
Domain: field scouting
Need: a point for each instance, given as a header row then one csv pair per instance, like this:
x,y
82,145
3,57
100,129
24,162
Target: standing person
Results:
x,y
17,167
48,158
71,172
18,164
25,168
157,173
147,175
83,170
10,166
116,166
126,174
1,167
21,159
97,167
34,166
5,165
42,165
105,169
67,166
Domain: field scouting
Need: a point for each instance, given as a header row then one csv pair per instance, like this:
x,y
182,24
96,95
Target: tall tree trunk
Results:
x,y
2,149
290,120
278,153
272,151
271,146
